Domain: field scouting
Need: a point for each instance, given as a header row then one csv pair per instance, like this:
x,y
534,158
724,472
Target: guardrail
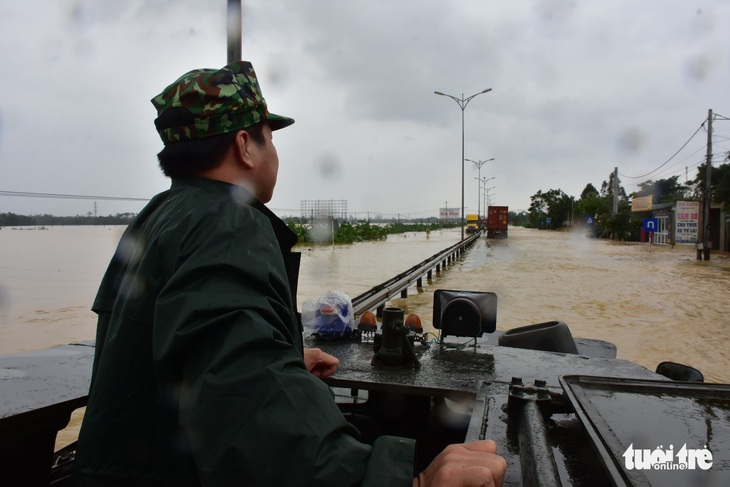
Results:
x,y
376,297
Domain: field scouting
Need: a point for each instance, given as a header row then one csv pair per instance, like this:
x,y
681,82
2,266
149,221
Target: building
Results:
x,y
679,223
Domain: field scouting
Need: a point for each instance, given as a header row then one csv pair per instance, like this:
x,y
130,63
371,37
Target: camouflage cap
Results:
x,y
218,101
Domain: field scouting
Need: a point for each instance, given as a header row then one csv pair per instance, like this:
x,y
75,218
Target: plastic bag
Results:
x,y
328,316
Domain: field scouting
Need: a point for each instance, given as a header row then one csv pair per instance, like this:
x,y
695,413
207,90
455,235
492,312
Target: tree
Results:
x,y
553,205
558,206
591,203
616,226
607,188
719,183
589,191
521,219
721,194
663,190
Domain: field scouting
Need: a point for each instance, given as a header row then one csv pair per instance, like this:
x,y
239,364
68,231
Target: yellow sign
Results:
x,y
641,204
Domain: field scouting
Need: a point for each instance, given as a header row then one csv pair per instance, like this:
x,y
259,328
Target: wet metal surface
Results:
x,y
656,414
34,380
459,366
659,417
40,390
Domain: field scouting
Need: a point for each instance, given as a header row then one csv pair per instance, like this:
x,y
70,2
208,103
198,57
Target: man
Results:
x,y
200,376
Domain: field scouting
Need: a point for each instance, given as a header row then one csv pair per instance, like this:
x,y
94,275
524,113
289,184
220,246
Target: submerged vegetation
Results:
x,y
332,231
13,220
320,232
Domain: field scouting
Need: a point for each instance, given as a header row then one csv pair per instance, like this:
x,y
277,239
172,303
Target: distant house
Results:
x,y
679,223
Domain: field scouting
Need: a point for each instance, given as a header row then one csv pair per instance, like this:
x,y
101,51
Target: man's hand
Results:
x,y
319,363
464,465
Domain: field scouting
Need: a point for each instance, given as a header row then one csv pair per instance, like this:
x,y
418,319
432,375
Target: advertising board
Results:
x,y
687,222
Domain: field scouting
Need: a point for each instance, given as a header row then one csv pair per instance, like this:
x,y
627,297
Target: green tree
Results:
x,y
537,213
719,183
663,190
554,205
607,188
521,219
721,194
591,203
616,226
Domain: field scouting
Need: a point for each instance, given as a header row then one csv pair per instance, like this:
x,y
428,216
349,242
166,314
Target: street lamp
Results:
x,y
484,181
462,102
488,197
479,165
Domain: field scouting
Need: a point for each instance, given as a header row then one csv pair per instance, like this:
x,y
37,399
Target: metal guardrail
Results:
x,y
376,297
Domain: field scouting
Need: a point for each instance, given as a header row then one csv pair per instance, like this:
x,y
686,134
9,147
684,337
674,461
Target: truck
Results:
x,y
472,223
497,219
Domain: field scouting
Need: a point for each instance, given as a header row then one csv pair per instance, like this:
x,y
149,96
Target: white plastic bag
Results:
x,y
328,316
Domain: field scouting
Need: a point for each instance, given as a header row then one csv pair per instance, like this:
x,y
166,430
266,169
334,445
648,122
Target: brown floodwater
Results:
x,y
655,303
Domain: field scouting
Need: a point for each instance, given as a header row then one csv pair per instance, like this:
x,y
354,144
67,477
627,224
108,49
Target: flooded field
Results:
x,y
655,303
49,276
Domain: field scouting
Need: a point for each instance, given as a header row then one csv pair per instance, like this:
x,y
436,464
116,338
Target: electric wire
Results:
x,y
27,194
668,160
673,170
720,156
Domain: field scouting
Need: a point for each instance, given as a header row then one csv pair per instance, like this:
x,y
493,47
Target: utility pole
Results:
x,y
704,247
572,202
615,191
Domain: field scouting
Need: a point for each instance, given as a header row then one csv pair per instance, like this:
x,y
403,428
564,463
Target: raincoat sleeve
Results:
x,y
225,344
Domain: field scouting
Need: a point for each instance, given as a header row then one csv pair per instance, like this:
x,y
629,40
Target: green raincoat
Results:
x,y
198,376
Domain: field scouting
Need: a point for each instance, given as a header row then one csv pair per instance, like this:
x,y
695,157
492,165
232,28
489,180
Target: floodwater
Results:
x,y
49,276
655,303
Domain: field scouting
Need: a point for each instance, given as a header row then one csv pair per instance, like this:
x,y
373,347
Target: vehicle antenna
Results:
x,y
233,30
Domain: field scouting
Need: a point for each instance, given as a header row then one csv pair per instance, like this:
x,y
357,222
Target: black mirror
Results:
x,y
464,313
551,336
679,372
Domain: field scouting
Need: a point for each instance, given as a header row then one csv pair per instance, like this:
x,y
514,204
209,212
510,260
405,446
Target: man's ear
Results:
x,y
243,145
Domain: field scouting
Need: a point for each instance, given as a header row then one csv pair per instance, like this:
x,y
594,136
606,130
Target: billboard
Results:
x,y
688,217
450,213
641,204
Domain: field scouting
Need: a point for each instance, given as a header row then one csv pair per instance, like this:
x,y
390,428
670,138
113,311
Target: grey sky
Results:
x,y
579,87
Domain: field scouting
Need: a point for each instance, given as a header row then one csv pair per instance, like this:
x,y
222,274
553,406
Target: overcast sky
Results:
x,y
578,88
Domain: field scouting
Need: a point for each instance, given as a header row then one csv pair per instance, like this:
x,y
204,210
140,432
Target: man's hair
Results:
x,y
189,158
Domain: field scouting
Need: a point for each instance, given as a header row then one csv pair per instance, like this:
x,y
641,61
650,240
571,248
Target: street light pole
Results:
x,y
486,191
462,102
484,181
479,165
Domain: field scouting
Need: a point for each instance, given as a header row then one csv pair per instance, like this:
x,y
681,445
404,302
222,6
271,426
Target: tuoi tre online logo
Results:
x,y
659,459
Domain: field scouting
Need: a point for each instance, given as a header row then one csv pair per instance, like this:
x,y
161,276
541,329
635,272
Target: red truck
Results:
x,y
497,219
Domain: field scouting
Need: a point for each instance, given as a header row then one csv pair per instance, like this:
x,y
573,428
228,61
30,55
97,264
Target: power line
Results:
x,y
667,161
717,158
26,194
682,164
